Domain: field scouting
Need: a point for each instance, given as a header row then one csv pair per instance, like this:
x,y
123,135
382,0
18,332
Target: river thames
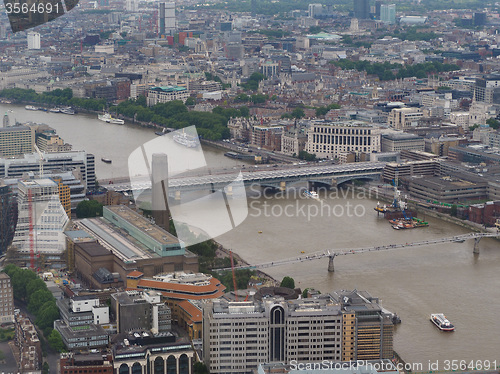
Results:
x,y
413,282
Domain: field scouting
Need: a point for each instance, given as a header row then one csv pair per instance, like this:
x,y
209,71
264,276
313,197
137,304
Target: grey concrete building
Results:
x,y
395,142
136,310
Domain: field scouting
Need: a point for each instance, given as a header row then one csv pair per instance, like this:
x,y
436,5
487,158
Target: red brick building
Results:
x,y
91,363
485,214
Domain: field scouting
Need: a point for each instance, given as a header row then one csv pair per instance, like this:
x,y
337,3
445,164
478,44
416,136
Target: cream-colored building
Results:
x,y
460,119
16,140
402,118
331,139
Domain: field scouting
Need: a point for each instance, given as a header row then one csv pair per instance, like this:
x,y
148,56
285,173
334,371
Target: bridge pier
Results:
x,y
331,267
476,245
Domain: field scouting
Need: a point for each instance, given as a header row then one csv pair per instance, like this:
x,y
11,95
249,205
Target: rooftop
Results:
x,y
168,88
162,236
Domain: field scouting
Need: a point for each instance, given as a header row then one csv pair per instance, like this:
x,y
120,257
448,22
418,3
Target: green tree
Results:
x,y
34,285
493,123
453,210
314,30
306,156
288,282
190,101
45,368
244,111
304,293
55,341
200,368
89,208
298,113
37,299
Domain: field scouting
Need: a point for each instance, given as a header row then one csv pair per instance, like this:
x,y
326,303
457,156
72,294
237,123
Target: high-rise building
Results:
x,y
6,120
33,40
167,18
362,9
388,13
479,18
132,5
315,10
48,221
487,89
6,299
378,4
8,217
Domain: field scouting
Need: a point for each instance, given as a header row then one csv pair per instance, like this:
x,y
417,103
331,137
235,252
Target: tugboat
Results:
x,y
441,322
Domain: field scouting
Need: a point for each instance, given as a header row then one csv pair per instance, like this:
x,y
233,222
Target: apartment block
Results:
x,y
6,300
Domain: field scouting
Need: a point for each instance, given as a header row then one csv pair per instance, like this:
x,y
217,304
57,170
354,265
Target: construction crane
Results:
x,y
42,159
234,276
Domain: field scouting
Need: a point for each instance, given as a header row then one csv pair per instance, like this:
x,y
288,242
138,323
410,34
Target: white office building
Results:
x,y
38,202
331,139
33,40
388,13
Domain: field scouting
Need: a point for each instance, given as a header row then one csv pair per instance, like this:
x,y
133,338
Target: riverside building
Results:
x,y
331,139
344,326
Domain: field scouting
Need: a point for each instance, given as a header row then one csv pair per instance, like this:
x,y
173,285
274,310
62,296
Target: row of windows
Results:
x,y
346,131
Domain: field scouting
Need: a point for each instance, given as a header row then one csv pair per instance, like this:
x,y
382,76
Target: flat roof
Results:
x,y
169,88
113,240
14,128
143,224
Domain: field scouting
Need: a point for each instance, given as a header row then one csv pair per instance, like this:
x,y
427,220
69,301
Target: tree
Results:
x,y
200,368
288,282
306,156
55,341
37,299
190,101
304,293
89,208
493,123
45,368
244,111
298,113
453,210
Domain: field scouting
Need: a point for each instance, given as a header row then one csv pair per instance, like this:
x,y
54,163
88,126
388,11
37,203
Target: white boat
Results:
x,y
442,322
30,107
67,111
106,117
311,195
55,110
185,140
